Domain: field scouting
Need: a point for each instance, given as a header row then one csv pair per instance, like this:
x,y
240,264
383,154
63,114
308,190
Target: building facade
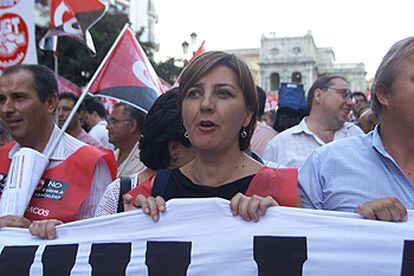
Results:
x,y
142,16
298,60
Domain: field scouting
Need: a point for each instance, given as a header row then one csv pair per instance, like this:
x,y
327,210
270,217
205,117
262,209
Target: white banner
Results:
x,y
201,237
17,33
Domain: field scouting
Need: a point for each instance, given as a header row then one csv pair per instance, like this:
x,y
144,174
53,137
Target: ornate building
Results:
x,y
297,59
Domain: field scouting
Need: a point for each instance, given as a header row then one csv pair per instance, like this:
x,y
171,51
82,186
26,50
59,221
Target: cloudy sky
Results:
x,y
357,30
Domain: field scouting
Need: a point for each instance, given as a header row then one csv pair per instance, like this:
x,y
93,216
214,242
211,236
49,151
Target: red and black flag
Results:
x,y
73,18
127,75
66,85
165,85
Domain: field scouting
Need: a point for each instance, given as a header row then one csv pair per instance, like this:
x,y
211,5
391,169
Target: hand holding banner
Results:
x,y
202,237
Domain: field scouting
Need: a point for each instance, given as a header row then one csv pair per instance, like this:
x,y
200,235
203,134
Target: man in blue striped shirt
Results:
x,y
372,174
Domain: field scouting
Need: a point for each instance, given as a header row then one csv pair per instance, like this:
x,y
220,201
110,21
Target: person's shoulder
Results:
x,y
71,144
347,145
352,128
262,127
285,135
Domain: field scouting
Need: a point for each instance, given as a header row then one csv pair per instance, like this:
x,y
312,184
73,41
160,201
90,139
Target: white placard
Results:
x,y
17,33
201,237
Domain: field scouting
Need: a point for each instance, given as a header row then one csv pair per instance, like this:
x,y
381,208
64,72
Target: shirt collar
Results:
x,y
377,143
57,155
302,127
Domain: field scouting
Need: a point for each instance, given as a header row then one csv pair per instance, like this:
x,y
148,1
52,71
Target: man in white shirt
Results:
x,y
330,102
28,100
125,124
94,120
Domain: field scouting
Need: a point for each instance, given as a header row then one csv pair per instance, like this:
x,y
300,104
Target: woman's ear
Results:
x,y
248,119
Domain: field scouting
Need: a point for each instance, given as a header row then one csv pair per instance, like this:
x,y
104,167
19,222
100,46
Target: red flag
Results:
x,y
73,18
126,74
165,85
66,85
200,51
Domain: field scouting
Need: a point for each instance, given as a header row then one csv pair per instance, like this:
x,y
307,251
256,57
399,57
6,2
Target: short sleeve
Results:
x,y
310,183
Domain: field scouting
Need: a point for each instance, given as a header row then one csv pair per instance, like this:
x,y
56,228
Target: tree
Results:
x,y
169,70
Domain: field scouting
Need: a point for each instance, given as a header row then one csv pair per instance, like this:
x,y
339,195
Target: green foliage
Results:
x,y
169,70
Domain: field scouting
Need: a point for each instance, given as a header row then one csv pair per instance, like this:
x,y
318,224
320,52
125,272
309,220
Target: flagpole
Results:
x,y
85,92
55,57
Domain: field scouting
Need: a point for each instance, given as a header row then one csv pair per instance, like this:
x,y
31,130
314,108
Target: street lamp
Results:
x,y
186,46
193,38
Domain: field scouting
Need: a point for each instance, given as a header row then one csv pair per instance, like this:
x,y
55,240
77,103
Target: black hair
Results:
x,y
162,125
321,83
92,105
43,79
358,93
133,113
261,96
72,97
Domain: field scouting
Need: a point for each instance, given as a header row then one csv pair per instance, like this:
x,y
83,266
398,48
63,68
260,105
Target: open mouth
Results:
x,y
207,125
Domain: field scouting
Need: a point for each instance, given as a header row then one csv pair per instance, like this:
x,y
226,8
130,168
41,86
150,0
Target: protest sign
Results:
x,y
201,237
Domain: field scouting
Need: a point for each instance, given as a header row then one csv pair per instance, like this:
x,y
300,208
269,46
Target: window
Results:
x,y
274,81
296,77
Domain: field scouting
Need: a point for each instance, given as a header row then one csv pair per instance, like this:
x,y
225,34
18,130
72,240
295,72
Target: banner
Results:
x,y
126,74
17,33
202,237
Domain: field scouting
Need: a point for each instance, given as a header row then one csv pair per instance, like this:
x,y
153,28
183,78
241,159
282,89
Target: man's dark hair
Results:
x,y
92,105
358,93
321,83
261,96
163,125
71,97
43,79
133,113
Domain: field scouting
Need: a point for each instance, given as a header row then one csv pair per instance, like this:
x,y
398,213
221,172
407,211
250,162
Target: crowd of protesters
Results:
x,y
211,138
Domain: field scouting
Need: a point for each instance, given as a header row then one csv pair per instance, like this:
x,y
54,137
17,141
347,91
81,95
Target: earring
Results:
x,y
243,133
186,134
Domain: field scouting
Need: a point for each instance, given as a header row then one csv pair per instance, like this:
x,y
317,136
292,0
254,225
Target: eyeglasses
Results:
x,y
344,92
116,121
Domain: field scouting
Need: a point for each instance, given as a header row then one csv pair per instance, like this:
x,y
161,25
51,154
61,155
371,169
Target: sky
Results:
x,y
357,30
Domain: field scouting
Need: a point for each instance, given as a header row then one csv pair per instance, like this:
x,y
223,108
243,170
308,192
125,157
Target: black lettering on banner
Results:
x,y
282,256
17,260
168,258
110,258
407,268
59,259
